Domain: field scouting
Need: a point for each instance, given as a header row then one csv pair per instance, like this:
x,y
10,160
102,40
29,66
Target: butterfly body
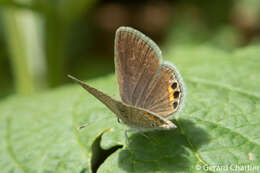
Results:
x,y
152,91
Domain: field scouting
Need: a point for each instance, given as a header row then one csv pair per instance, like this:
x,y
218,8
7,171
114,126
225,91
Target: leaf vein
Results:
x,y
197,155
9,148
231,130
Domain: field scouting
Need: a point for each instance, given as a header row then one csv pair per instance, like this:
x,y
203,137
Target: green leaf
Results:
x,y
219,128
220,124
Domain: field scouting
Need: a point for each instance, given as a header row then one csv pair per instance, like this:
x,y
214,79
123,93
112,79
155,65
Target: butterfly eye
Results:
x,y
174,85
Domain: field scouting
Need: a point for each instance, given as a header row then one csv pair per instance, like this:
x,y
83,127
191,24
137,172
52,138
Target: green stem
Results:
x,y
55,48
14,37
26,54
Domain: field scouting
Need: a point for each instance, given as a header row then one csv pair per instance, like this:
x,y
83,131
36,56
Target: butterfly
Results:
x,y
151,90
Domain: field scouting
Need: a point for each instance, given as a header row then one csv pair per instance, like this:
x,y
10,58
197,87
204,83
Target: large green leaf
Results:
x,y
220,124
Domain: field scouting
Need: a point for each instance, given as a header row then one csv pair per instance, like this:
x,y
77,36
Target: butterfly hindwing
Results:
x,y
166,95
137,61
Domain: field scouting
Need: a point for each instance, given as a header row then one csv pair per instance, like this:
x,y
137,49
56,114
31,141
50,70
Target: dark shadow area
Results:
x,y
166,151
83,170
99,155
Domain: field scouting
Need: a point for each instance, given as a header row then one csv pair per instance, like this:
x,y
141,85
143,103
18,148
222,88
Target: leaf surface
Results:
x,y
220,124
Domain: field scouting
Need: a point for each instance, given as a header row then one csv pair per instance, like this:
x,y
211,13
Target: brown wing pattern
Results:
x,y
165,96
130,115
137,61
143,81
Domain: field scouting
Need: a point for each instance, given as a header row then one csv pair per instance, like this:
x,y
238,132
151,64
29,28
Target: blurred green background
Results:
x,y
43,40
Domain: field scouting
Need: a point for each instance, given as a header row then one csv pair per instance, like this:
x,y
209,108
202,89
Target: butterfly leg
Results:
x,y
82,126
126,135
143,134
147,137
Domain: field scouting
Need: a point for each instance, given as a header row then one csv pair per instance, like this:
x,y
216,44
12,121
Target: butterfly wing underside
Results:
x,y
136,64
165,95
132,116
143,80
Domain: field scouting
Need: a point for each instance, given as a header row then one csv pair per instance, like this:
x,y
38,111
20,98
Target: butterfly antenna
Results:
x,y
83,126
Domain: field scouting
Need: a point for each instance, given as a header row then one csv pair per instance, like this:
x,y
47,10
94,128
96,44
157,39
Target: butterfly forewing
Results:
x,y
137,64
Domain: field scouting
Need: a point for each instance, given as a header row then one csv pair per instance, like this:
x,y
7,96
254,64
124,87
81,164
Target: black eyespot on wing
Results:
x,y
175,104
174,85
176,94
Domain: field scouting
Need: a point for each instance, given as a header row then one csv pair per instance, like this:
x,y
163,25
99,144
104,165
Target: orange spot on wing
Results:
x,y
170,90
150,116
